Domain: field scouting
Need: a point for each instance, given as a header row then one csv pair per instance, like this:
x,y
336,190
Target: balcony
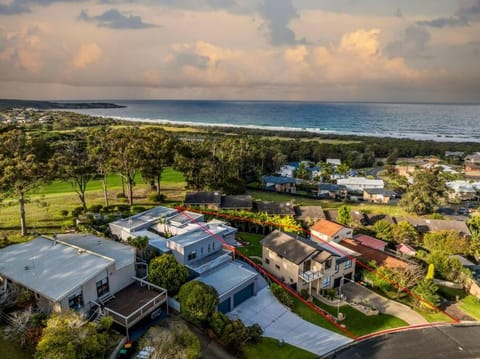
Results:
x,y
310,276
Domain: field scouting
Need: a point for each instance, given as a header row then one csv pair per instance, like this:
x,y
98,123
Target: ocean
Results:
x,y
438,122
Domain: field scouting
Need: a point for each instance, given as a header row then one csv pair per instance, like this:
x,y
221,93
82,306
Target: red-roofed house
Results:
x,y
406,249
371,242
325,230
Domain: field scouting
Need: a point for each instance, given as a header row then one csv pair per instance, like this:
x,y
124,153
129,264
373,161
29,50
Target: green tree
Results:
x,y
426,290
167,273
344,216
67,336
140,243
71,162
406,277
342,169
449,242
404,232
383,230
448,266
426,193
99,152
430,271
326,172
23,166
197,302
474,226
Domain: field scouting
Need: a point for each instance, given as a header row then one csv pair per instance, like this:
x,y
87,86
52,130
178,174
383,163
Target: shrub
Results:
x,y
64,212
96,208
77,211
197,302
282,295
137,209
155,197
304,294
121,195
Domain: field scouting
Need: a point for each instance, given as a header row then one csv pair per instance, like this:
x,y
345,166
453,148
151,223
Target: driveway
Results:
x,y
277,321
356,292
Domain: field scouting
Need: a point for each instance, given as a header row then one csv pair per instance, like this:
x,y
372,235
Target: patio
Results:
x,y
135,302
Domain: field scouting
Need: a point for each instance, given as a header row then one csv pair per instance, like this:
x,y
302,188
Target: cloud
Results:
x,y
414,43
16,7
464,15
22,49
277,15
114,19
88,54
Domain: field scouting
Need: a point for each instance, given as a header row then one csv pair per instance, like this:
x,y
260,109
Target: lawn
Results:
x,y
254,247
359,324
10,349
471,306
270,348
44,208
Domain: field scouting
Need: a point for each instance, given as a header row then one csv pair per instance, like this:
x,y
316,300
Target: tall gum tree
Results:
x,y
23,166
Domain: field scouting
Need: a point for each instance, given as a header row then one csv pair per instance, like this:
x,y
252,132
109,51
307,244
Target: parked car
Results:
x,y
463,211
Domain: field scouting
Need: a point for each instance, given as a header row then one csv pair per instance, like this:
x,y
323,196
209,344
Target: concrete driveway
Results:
x,y
356,292
279,322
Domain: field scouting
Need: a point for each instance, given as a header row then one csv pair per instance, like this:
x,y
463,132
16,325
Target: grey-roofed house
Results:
x,y
434,225
309,213
80,272
332,190
304,264
378,195
234,282
280,184
242,201
273,208
203,199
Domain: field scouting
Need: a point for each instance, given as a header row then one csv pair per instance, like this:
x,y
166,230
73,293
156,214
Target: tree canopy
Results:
x,y
197,302
167,273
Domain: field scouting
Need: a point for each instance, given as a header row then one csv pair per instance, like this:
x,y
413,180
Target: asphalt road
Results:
x,y
437,342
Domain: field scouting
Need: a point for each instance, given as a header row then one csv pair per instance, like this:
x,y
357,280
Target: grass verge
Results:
x,y
270,348
252,241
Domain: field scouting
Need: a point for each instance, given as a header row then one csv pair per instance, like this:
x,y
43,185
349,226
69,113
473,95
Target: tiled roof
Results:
x,y
370,242
288,246
203,198
278,179
367,253
326,227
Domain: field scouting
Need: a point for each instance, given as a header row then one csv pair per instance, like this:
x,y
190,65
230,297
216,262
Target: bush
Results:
x,y
77,211
282,295
121,195
197,302
122,208
96,208
304,294
155,197
64,212
137,209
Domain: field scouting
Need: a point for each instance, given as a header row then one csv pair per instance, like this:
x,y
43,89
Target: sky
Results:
x,y
320,50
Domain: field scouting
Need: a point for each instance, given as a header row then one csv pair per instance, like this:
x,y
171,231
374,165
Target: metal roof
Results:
x,y
52,270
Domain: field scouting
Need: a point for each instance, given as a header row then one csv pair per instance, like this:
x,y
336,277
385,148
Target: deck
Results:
x,y
135,302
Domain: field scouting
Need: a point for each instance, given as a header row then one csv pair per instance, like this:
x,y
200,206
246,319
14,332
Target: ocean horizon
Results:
x,y
441,122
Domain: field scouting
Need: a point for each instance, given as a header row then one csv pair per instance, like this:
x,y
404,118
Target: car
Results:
x,y
463,211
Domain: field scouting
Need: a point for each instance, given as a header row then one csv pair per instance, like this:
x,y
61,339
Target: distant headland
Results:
x,y
48,105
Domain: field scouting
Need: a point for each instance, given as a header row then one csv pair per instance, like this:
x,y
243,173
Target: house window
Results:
x,y
193,255
102,287
208,247
201,250
76,301
267,260
336,268
326,282
277,266
348,264
328,264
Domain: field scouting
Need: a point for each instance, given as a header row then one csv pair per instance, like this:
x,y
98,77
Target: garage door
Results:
x,y
224,306
243,295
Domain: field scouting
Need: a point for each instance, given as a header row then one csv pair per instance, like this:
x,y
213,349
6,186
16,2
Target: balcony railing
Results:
x,y
310,276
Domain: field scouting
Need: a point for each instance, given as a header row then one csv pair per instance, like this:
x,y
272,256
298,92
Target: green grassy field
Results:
x,y
270,348
359,324
471,306
46,204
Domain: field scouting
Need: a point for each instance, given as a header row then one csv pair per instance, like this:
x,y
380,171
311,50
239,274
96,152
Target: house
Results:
x,y
378,195
203,199
461,190
335,162
475,268
331,190
405,249
327,231
454,156
305,264
290,169
199,246
370,242
356,216
309,213
215,200
273,208
280,184
423,225
471,165
358,184
81,272
369,254
237,202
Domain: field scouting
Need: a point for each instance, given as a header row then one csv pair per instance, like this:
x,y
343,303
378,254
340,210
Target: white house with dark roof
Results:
x,y
358,184
72,271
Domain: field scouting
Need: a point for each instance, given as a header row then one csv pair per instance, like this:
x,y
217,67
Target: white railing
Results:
x,y
310,276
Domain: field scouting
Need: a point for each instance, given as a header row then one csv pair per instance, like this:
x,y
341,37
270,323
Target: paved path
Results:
x,y
279,322
356,292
